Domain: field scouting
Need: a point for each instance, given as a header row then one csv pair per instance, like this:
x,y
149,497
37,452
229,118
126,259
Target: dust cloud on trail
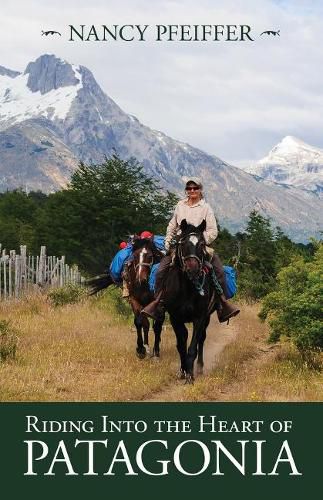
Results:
x,y
217,337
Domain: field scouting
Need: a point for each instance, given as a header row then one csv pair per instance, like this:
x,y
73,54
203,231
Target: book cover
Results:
x,y
161,168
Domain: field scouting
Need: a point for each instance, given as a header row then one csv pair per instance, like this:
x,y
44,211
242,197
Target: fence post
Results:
x,y
9,276
19,272
23,266
4,275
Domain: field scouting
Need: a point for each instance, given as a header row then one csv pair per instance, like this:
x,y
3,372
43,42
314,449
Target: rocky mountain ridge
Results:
x,y
54,114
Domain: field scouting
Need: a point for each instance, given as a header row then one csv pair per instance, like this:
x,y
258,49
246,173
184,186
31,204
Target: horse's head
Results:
x,y
143,258
191,248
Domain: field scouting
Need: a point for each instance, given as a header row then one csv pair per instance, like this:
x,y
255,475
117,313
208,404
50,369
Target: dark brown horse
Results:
x,y
144,256
137,271
190,297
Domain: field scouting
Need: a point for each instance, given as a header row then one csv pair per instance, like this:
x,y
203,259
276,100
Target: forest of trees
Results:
x,y
105,203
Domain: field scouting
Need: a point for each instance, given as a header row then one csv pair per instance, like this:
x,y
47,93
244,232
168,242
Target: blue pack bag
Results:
x,y
231,281
152,277
159,242
118,262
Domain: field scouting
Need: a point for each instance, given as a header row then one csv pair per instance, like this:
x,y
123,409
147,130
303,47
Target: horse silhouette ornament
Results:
x,y
50,32
270,32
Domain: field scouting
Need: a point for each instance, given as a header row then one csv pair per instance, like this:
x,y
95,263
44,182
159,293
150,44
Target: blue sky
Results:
x,y
234,100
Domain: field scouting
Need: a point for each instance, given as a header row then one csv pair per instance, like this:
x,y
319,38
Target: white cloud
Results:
x,y
234,100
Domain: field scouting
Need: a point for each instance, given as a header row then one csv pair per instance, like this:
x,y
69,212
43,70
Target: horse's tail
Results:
x,y
98,283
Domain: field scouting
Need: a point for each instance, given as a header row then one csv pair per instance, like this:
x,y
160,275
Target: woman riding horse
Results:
x,y
194,210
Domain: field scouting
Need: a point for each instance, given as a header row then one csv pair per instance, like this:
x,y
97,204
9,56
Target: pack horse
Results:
x,y
137,271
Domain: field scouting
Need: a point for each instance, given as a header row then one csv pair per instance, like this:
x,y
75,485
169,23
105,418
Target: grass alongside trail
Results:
x,y
79,352
250,369
86,352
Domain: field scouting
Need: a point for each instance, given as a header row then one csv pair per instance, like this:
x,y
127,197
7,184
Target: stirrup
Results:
x,y
224,316
154,310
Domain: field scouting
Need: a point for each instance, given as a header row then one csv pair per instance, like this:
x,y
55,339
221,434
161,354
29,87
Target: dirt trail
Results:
x,y
218,336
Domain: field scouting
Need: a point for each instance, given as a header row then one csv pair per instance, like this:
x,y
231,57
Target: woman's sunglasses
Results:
x,y
192,188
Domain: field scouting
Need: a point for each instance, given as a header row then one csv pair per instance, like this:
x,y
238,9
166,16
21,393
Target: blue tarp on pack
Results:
x,y
118,262
231,281
152,277
123,255
159,242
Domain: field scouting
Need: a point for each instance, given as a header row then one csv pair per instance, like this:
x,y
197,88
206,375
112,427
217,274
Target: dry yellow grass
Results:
x,y
284,376
78,352
249,369
86,352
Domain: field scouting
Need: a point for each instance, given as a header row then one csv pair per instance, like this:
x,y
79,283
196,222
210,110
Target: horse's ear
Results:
x,y
183,225
202,226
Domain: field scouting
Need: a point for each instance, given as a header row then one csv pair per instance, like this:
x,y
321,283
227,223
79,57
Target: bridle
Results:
x,y
141,263
183,258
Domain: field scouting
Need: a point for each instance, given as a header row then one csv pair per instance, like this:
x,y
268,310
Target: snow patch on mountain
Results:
x,y
18,103
55,114
292,162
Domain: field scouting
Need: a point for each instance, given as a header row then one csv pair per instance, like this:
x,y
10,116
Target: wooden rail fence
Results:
x,y
23,272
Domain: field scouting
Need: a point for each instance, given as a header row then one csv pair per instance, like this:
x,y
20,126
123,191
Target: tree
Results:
x,y
258,257
17,216
261,250
227,246
285,249
103,205
294,309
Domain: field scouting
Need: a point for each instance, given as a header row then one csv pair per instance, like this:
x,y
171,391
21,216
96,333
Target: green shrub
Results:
x,y
8,341
111,301
294,310
68,294
252,286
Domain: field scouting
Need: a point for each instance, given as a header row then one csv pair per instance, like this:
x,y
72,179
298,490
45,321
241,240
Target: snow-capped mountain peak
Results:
x,y
54,114
49,73
292,162
291,145
47,89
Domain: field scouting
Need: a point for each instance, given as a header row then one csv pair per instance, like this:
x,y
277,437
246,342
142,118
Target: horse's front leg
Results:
x,y
136,308
181,337
145,326
199,330
158,325
141,350
200,347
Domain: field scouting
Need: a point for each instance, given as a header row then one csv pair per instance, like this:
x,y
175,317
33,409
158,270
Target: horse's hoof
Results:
x,y
181,375
189,379
155,355
199,370
146,346
141,352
